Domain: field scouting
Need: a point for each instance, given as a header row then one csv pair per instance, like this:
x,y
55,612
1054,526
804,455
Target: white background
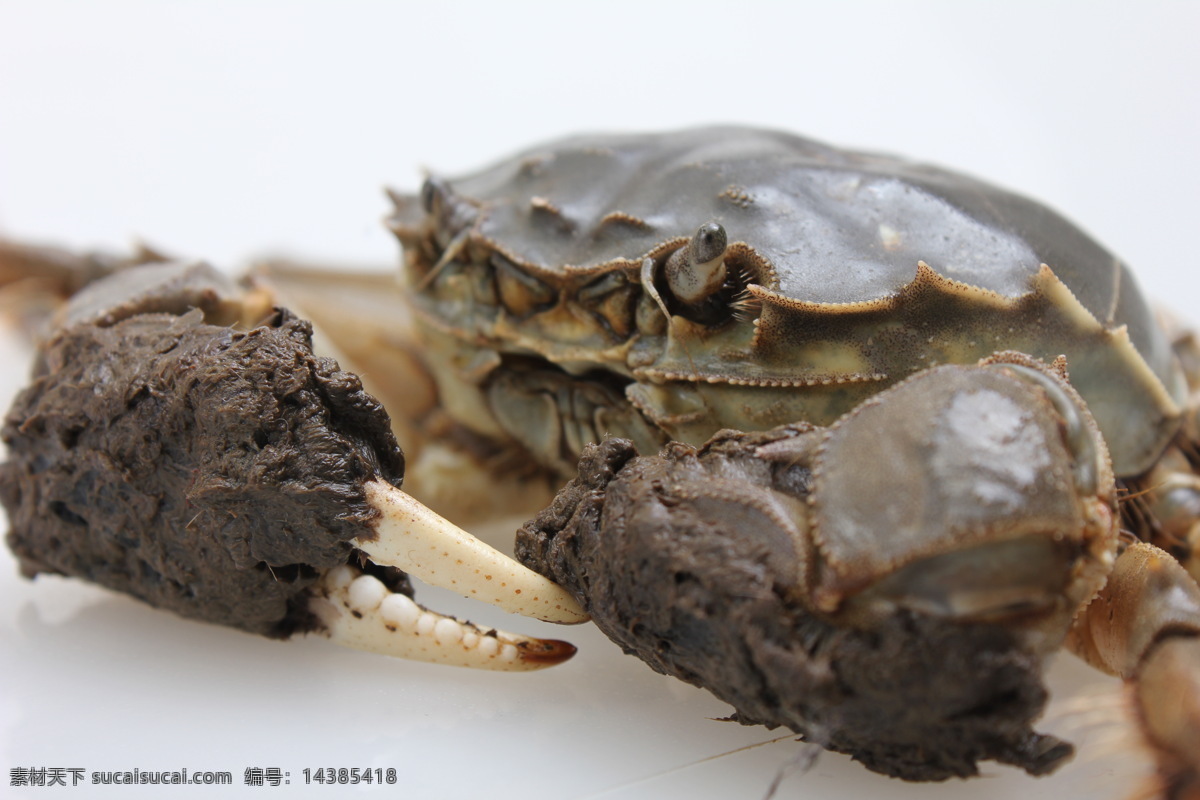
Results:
x,y
227,130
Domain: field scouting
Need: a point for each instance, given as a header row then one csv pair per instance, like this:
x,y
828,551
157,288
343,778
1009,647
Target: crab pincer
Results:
x,y
919,652
234,477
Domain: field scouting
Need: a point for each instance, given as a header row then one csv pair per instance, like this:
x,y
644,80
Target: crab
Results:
x,y
855,443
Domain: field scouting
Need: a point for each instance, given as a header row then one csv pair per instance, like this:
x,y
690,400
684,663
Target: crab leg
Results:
x,y
1144,626
359,611
1163,506
1167,510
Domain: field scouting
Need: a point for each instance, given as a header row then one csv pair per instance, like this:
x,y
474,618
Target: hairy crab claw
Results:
x,y
232,476
919,652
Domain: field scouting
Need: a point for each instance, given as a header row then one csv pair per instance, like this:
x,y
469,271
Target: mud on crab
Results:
x,y
852,442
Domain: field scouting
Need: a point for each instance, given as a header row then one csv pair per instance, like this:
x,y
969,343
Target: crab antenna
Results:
x,y
697,271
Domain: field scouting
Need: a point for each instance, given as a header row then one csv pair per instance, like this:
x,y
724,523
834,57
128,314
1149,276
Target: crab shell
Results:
x,y
848,273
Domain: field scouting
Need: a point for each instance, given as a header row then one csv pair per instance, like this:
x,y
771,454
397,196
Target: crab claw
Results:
x,y
232,476
359,610
887,587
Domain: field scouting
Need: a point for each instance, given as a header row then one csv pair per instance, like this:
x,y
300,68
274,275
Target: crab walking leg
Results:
x,y
1169,496
1167,510
412,538
1144,626
358,611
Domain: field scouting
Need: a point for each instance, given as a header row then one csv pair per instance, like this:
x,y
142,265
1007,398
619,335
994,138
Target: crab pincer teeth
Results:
x,y
357,610
412,538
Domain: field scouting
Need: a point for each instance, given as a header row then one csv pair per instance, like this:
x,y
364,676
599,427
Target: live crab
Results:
x,y
854,443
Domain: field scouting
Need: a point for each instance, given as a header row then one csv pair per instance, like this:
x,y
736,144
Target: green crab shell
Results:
x,y
870,268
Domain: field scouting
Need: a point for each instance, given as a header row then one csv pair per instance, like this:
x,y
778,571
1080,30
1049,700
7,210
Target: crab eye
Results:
x,y
709,243
520,292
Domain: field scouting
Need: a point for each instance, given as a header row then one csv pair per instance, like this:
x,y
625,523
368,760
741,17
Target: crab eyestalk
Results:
x,y
697,271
